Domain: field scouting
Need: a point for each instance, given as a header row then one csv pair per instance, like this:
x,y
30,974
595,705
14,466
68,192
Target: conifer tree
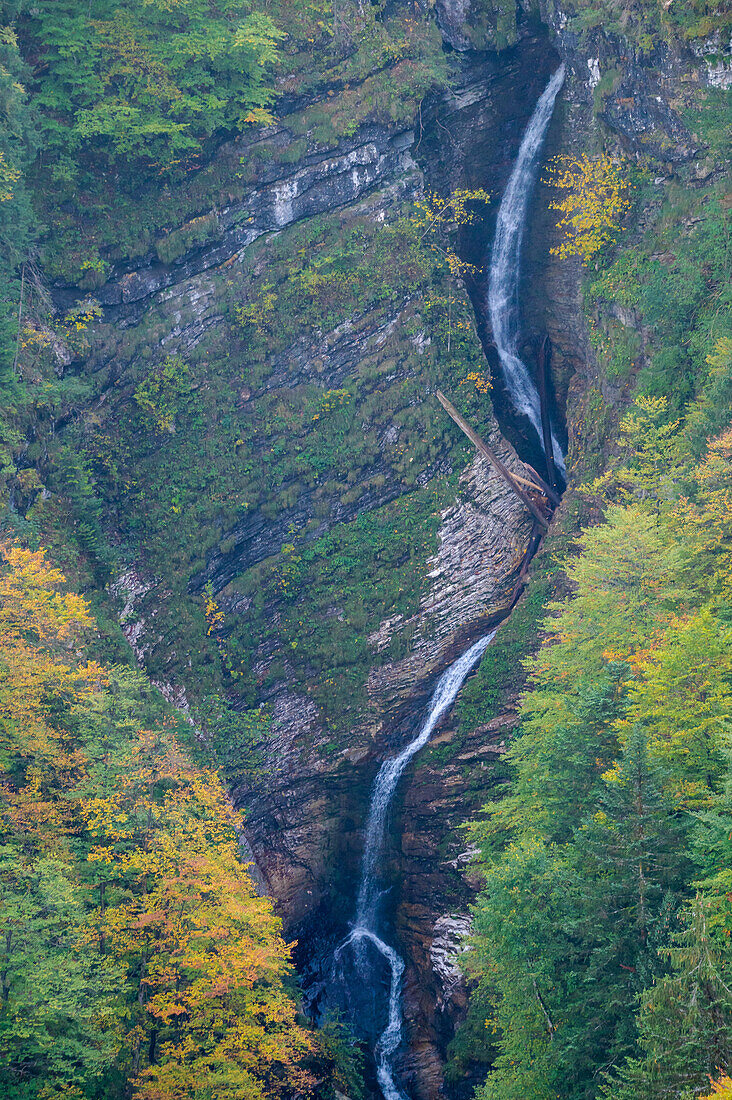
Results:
x,y
634,862
685,1020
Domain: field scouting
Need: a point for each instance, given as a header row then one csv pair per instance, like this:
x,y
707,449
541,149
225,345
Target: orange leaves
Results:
x,y
166,899
213,960
40,681
721,1089
481,383
31,607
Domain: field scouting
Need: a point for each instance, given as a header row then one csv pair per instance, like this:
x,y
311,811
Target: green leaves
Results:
x,y
625,731
149,80
135,954
685,1020
60,1010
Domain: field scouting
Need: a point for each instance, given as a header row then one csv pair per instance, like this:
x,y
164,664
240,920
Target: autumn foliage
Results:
x,y
437,215
133,947
721,1089
603,929
593,201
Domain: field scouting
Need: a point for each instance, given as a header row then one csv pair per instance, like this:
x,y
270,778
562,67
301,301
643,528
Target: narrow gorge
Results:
x,y
359,961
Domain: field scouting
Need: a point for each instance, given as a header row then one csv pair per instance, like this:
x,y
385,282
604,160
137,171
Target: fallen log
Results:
x,y
539,481
511,480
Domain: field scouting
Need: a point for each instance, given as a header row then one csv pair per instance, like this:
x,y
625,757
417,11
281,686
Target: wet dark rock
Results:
x,y
638,109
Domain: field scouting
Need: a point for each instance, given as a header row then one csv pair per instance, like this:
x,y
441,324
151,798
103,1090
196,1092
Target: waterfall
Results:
x,y
503,280
502,302
364,931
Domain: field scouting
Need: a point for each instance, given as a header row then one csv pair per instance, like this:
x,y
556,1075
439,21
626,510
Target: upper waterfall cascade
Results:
x,y
366,923
505,266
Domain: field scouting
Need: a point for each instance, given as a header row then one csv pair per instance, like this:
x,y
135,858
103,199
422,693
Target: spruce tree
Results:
x,y
685,1021
630,850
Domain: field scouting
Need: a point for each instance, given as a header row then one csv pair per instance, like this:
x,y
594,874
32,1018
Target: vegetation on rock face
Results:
x,y
135,957
649,26
131,91
437,213
234,446
676,277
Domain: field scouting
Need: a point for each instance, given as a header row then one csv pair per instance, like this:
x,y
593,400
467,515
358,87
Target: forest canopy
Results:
x,y
133,946
602,955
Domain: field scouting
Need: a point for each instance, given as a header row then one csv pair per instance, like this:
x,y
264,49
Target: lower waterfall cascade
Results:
x,y
502,294
366,923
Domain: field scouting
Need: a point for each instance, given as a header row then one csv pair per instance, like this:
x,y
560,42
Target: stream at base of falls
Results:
x,y
354,954
364,958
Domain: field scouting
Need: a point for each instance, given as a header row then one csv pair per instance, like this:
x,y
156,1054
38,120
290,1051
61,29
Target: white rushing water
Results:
x,y
369,894
503,280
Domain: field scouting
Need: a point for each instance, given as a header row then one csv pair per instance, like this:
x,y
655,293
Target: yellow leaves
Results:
x,y
458,267
258,116
594,202
100,855
685,701
213,613
481,383
721,1089
8,178
175,908
452,210
31,607
159,394
259,313
79,318
719,359
437,214
333,399
214,960
40,628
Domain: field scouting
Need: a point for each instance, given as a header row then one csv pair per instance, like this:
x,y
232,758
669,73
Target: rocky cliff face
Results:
x,y
248,496
457,778
291,448
639,99
320,181
316,806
